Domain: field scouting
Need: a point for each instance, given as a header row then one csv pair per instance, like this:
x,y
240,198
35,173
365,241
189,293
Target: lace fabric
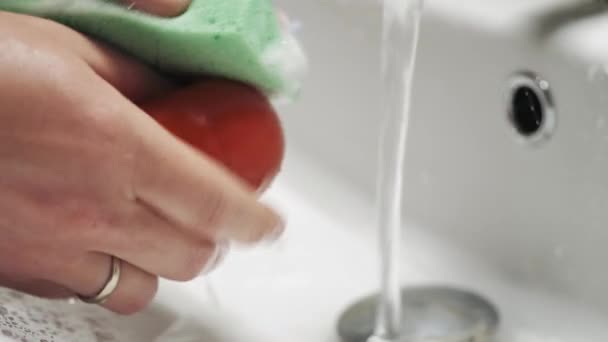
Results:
x,y
24,318
172,318
182,312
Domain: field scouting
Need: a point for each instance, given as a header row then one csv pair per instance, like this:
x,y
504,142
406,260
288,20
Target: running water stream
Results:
x,y
400,40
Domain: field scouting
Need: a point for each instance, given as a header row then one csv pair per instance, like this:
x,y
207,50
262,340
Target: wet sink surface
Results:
x,y
295,289
523,226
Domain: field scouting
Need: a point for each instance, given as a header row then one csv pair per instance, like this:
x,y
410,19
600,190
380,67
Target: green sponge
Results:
x,y
236,39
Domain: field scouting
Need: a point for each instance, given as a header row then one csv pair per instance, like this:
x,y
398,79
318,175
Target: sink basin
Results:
x,y
523,224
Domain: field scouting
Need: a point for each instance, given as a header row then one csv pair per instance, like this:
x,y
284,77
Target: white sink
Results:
x,y
525,226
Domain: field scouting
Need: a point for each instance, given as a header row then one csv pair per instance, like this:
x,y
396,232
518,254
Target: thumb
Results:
x,y
165,8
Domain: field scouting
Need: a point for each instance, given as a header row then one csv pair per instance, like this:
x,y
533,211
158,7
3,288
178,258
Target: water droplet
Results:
x,y
597,72
600,122
559,252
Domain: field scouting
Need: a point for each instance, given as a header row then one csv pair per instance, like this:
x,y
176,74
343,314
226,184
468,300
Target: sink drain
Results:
x,y
531,110
438,314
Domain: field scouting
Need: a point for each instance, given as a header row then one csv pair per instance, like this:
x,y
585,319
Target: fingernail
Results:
x,y
219,254
276,233
254,223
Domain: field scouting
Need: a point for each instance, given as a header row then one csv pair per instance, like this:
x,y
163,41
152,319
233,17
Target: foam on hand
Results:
x,y
235,39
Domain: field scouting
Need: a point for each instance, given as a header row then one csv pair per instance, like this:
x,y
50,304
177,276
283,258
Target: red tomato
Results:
x,y
231,122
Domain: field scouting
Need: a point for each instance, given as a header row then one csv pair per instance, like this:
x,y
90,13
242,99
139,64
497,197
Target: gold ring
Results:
x,y
111,285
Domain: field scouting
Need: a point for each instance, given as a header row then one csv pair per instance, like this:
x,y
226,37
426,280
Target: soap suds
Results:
x,y
287,58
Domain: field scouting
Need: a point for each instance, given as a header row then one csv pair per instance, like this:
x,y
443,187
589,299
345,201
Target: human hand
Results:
x,y
85,175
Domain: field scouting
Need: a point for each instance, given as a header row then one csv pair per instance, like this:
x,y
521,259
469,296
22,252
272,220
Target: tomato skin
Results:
x,y
230,122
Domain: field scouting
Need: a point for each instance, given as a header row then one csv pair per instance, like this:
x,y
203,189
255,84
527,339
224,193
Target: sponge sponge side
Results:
x,y
227,38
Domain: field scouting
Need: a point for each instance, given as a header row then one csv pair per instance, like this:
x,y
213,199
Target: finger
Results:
x,y
197,193
39,288
90,273
186,188
156,246
133,79
165,8
136,290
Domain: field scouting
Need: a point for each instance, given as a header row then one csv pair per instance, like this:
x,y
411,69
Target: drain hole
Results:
x,y
527,112
530,108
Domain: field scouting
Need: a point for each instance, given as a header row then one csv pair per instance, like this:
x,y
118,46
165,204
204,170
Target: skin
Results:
x,y
85,174
168,8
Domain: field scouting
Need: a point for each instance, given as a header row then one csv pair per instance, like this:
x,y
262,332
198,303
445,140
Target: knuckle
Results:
x,y
105,228
94,225
66,216
79,214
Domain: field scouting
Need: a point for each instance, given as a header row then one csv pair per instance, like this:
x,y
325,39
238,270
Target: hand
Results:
x,y
85,175
168,8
